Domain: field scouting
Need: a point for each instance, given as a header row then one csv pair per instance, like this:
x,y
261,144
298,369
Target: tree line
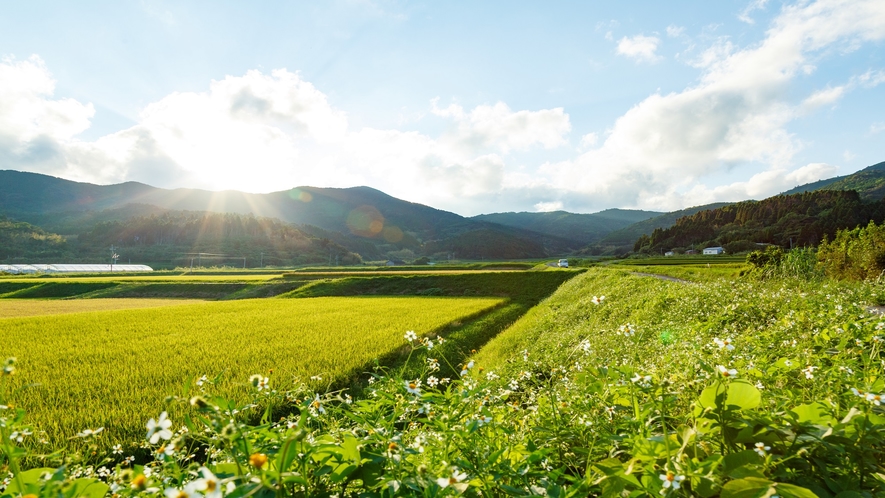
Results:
x,y
798,220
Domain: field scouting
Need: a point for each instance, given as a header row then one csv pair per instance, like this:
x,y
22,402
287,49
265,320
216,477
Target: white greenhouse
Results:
x,y
64,268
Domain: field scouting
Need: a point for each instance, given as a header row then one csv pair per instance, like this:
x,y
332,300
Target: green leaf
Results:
x,y
815,413
739,459
748,487
743,395
793,491
87,487
287,455
849,494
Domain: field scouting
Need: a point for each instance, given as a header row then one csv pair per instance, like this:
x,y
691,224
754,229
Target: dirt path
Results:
x,y
663,277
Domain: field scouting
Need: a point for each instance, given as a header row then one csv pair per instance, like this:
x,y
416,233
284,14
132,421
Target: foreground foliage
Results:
x,y
857,254
616,385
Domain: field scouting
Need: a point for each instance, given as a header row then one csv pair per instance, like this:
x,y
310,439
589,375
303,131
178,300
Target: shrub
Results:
x,y
857,254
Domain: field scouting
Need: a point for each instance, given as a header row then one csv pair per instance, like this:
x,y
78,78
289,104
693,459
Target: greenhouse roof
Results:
x,y
66,268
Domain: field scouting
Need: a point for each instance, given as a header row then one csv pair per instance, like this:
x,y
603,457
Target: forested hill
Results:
x,y
18,238
171,238
799,219
868,182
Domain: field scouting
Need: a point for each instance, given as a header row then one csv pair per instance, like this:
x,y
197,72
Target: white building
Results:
x,y
713,250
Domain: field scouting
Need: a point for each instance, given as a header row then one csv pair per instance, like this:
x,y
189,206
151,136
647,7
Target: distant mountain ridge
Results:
x,y
584,228
357,213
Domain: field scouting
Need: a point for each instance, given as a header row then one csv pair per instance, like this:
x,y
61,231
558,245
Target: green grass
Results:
x,y
530,287
60,289
442,267
690,272
113,368
699,260
10,287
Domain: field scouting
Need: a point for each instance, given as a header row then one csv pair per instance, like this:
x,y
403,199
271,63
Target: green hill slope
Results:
x,y
785,220
20,240
868,182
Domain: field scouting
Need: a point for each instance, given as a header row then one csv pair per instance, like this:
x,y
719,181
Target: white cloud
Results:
x,y
658,153
749,9
497,126
674,31
877,128
871,78
640,48
589,140
848,155
718,51
27,110
548,207
823,97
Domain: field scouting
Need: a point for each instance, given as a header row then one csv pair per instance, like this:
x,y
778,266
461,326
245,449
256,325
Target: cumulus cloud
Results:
x,y
589,140
735,117
497,126
34,127
262,132
640,48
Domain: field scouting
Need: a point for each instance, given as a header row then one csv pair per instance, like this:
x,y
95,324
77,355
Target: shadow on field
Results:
x,y
521,291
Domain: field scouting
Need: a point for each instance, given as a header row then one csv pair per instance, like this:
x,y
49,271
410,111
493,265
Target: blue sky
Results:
x,y
473,107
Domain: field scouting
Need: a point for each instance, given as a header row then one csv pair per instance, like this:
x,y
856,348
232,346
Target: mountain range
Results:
x,y
359,220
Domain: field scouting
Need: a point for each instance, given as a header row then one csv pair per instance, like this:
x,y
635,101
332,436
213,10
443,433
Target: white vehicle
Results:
x,y
563,263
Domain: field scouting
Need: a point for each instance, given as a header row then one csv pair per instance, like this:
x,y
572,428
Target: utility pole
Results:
x,y
261,264
244,262
114,257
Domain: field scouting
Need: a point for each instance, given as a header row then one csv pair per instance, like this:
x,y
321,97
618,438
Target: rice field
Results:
x,y
114,368
10,308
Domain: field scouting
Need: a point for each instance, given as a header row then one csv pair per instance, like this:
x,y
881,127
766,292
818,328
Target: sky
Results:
x,y
472,107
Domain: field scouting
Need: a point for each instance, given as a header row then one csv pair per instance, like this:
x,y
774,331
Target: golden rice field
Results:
x,y
113,369
36,307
